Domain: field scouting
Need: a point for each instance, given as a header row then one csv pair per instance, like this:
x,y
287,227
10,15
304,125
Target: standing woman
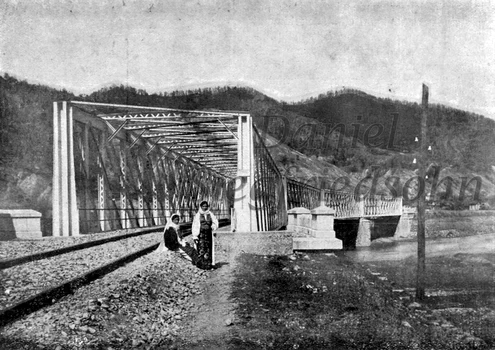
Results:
x,y
204,223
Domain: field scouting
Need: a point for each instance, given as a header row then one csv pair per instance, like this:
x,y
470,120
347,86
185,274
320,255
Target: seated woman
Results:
x,y
174,242
171,234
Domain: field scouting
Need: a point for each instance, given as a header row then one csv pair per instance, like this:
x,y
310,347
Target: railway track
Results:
x,y
34,281
18,260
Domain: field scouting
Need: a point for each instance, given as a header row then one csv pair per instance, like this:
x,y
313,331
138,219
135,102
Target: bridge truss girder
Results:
x,y
119,167
108,176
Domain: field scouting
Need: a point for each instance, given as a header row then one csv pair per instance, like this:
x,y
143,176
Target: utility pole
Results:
x,y
420,277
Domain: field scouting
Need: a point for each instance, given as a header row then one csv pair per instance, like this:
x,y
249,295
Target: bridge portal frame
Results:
x,y
235,158
65,216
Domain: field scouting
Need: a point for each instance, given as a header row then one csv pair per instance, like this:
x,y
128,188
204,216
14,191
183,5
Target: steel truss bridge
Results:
x,y
120,166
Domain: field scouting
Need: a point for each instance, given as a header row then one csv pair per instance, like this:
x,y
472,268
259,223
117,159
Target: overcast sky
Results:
x,y
286,49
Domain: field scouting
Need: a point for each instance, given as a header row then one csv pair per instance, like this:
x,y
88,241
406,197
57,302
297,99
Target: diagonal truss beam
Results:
x,y
205,138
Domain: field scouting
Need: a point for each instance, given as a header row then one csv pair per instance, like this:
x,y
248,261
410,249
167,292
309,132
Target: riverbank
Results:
x,y
314,301
460,289
323,301
457,223
459,278
261,296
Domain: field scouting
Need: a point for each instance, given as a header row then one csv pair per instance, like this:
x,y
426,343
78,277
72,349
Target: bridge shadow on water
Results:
x,y
347,229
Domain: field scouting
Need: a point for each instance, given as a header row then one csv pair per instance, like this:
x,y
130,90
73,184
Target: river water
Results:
x,y
401,250
460,271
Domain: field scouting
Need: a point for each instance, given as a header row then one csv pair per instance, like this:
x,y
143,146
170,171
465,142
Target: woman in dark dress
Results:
x,y
204,223
171,234
174,242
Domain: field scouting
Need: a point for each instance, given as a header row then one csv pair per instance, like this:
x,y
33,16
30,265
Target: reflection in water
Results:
x,y
459,271
401,250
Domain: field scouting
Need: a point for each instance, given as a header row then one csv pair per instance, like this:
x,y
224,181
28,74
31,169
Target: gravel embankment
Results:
x,y
18,247
137,305
22,281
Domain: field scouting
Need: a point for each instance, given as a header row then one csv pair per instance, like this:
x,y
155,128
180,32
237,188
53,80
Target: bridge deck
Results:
x,y
365,216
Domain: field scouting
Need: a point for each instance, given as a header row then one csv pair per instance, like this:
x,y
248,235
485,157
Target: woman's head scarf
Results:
x,y
201,211
170,223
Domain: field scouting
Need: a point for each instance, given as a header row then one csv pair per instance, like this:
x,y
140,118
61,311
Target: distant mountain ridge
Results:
x,y
340,132
464,139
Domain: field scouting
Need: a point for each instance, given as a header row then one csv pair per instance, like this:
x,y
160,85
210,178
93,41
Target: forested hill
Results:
x,y
320,131
458,138
26,125
221,98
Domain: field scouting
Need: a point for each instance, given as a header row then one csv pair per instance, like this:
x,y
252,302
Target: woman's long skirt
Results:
x,y
205,246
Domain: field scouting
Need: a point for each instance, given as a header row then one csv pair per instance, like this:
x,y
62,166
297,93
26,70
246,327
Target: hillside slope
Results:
x,y
458,138
345,134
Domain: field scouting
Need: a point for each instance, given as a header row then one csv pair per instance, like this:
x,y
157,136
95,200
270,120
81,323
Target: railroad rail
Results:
x,y
70,268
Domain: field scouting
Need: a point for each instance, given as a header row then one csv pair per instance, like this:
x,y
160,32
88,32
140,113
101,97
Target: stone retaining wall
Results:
x,y
20,223
450,223
459,223
265,243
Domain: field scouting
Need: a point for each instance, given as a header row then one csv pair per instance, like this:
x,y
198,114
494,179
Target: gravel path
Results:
x,y
22,281
214,310
17,248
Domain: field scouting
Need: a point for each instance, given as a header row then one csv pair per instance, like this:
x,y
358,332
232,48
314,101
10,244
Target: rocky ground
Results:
x,y
260,297
23,281
459,290
323,301
137,305
21,247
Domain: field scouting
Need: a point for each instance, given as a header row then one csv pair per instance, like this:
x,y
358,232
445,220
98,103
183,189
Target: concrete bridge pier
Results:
x,y
299,220
364,232
408,225
320,234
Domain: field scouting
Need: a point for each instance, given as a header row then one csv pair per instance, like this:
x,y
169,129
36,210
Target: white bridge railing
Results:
x,y
345,204
349,206
382,206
